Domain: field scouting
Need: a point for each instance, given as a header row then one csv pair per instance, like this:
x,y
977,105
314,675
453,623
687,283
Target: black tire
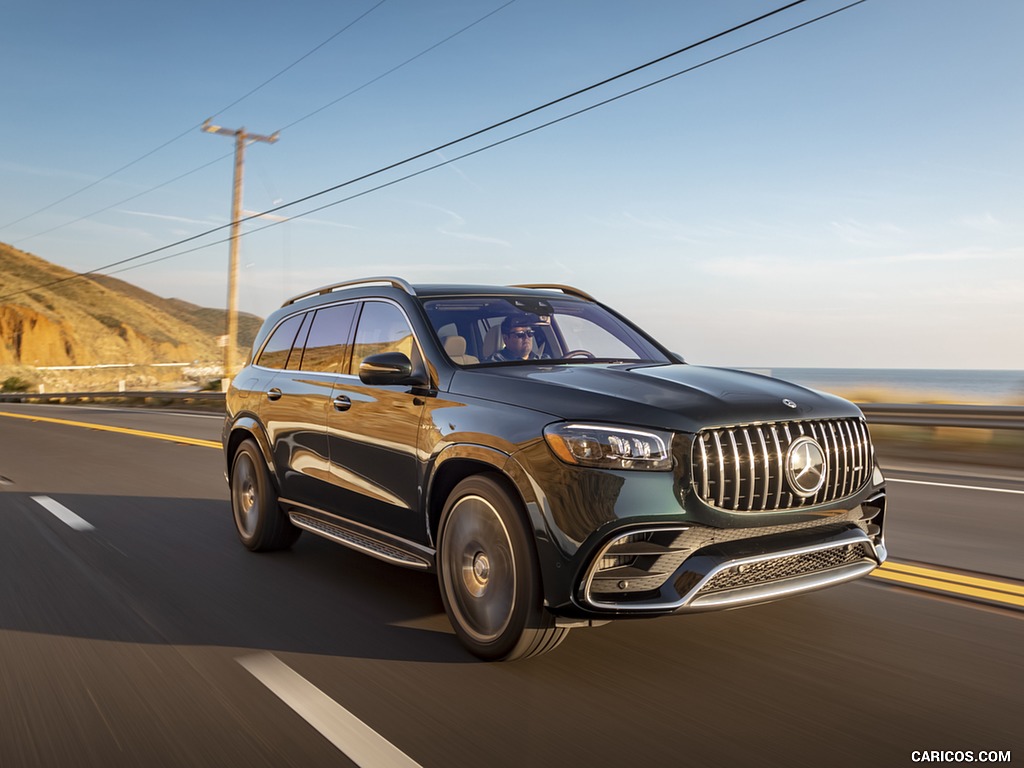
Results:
x,y
261,523
488,574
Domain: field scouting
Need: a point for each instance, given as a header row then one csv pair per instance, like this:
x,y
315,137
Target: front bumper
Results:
x,y
677,569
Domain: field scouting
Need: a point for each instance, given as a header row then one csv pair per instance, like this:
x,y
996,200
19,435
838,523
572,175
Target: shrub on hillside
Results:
x,y
15,384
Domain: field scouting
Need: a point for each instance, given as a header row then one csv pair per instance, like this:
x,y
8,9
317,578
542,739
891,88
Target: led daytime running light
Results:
x,y
596,445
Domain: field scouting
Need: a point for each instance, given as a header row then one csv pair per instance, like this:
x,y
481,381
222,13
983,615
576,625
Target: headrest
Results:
x,y
455,346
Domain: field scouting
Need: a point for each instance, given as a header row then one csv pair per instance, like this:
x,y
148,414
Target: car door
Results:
x,y
373,430
298,399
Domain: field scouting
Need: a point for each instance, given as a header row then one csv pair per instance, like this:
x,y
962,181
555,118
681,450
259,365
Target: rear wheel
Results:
x,y
261,523
488,574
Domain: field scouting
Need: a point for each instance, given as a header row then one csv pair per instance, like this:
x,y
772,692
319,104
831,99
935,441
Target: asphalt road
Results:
x,y
136,631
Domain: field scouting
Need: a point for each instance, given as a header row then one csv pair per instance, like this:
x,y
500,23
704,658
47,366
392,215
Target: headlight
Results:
x,y
596,445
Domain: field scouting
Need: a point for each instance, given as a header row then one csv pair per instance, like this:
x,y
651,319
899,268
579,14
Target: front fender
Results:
x,y
550,554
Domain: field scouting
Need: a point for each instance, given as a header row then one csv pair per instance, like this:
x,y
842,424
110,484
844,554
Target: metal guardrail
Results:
x,y
909,414
927,415
133,397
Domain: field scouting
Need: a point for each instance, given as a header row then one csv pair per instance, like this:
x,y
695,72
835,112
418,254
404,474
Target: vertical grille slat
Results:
x,y
864,444
778,464
752,471
839,471
847,456
743,468
704,468
721,470
766,467
737,465
822,494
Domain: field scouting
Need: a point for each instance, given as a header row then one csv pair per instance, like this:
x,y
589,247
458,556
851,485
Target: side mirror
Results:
x,y
387,368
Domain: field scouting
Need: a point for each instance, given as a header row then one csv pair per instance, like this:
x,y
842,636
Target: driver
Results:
x,y
517,334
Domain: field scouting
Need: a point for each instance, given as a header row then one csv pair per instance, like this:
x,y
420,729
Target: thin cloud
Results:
x,y
951,256
165,217
475,238
456,223
874,235
984,222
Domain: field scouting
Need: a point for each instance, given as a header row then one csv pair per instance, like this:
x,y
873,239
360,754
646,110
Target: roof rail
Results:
x,y
397,282
567,289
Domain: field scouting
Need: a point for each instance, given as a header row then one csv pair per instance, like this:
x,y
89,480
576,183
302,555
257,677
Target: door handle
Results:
x,y
274,393
342,403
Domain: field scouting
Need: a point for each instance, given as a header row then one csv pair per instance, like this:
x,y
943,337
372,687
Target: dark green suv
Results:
x,y
555,465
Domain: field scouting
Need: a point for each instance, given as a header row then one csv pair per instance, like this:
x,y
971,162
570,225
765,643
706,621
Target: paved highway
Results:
x,y
136,631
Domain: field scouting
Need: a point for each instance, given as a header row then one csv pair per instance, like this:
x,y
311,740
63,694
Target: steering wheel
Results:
x,y
580,353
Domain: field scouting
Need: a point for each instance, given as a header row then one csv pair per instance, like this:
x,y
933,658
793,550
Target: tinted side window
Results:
x,y
295,358
275,351
327,347
382,328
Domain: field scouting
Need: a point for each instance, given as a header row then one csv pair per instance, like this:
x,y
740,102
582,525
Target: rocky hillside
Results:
x,y
99,320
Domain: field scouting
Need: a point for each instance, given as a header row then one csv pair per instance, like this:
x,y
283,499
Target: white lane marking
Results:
x,y
953,485
360,743
63,514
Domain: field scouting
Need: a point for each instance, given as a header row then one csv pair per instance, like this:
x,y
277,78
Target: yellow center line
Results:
x,y
931,573
952,583
121,430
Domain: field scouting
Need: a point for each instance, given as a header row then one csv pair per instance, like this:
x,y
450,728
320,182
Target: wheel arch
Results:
x,y
244,428
449,468
458,462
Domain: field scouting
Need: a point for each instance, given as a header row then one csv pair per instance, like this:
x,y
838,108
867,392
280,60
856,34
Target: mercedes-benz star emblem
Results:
x,y
806,466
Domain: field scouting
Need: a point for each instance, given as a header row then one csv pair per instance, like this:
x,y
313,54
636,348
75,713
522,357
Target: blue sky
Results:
x,y
849,194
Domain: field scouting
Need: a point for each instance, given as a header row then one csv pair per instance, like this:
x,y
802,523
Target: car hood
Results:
x,y
681,397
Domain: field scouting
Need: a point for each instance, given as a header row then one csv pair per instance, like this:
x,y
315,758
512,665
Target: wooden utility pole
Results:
x,y
231,336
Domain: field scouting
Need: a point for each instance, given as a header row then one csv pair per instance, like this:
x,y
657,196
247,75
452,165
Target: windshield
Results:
x,y
494,330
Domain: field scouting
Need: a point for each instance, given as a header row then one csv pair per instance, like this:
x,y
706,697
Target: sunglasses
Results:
x,y
521,334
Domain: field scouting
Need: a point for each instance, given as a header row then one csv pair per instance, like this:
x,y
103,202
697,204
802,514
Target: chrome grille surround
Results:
x,y
744,468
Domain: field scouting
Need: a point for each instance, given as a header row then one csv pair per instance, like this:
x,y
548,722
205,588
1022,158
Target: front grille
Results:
x,y
744,468
784,567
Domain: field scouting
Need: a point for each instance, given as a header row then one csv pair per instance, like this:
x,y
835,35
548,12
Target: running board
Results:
x,y
359,541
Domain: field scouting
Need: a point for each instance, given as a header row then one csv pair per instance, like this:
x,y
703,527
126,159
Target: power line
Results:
x,y
301,58
125,200
494,144
449,144
181,135
289,125
394,69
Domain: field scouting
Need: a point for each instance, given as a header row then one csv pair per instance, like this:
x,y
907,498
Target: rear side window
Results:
x,y
327,346
279,345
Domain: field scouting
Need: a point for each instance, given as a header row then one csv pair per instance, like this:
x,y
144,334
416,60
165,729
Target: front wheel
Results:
x,y
488,574
261,523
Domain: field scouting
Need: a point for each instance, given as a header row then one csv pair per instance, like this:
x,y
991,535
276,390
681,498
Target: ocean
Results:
x,y
910,384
